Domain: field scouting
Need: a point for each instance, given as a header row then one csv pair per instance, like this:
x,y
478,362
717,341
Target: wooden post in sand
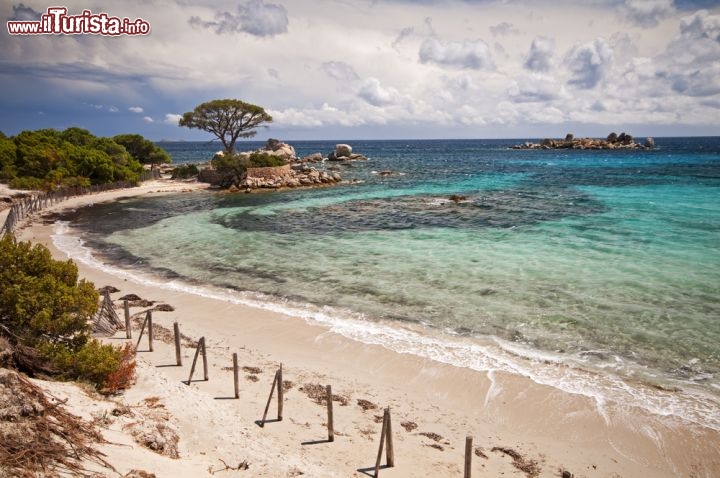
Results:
x,y
236,381
468,456
150,329
200,346
204,356
178,355
267,406
330,424
280,394
128,328
148,317
385,437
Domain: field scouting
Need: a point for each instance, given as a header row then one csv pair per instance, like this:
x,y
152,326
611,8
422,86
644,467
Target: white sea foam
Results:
x,y
545,368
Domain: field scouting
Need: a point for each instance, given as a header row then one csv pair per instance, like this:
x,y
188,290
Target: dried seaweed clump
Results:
x,y
531,468
38,437
318,394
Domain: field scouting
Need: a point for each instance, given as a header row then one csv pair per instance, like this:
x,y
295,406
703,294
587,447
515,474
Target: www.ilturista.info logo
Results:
x,y
57,22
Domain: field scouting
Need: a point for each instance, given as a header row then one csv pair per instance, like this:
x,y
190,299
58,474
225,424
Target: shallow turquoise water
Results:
x,y
608,259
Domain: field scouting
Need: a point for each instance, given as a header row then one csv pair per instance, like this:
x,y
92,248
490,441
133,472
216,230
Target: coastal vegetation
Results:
x,y
50,159
227,119
45,312
143,149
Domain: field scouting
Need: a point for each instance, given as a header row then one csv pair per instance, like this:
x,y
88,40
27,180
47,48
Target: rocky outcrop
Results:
x,y
313,158
613,141
296,173
343,152
296,176
279,149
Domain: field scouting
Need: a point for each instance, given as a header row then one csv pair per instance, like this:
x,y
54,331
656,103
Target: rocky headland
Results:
x,y
613,141
296,172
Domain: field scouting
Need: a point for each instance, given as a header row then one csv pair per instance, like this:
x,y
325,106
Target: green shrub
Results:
x,y
27,182
185,171
44,305
265,160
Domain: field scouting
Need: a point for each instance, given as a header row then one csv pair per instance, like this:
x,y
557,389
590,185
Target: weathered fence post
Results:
x,y
385,439
276,382
150,329
330,424
280,394
204,356
128,328
390,453
200,345
142,331
236,380
178,355
468,456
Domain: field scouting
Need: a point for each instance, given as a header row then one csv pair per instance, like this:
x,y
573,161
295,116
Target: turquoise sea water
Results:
x,y
609,261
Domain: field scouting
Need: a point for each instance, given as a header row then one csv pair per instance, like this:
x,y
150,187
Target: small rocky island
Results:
x,y
613,141
293,171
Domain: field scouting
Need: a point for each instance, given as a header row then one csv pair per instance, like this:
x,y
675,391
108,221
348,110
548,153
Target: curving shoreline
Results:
x,y
571,431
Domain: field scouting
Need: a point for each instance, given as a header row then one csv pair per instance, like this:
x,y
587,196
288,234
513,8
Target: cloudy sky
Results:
x,y
353,69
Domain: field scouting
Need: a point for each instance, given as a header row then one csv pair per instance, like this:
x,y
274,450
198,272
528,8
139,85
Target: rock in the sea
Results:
x,y
279,149
313,158
613,141
343,150
649,143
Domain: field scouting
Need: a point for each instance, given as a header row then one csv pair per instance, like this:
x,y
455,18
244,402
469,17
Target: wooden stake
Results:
x,y
204,356
236,381
468,456
178,355
267,406
382,442
330,424
150,329
390,453
142,331
128,328
201,343
280,394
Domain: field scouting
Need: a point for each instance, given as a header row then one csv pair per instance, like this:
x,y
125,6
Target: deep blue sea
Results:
x,y
607,262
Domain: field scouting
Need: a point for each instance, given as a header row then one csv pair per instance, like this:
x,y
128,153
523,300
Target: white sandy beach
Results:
x,y
555,429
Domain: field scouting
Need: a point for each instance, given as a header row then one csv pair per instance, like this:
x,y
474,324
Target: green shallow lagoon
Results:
x,y
609,261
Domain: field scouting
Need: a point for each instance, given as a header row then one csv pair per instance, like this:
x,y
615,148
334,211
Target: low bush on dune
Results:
x,y
45,312
185,171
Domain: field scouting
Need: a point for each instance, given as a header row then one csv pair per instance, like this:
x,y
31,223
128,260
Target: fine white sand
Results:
x,y
556,430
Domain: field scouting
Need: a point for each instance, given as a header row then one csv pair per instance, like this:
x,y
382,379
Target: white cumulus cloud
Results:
x,y
647,13
540,55
172,118
136,109
473,55
377,95
589,63
254,17
148,119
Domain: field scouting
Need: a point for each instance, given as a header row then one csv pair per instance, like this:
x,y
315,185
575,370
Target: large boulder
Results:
x,y
343,150
313,158
649,143
279,149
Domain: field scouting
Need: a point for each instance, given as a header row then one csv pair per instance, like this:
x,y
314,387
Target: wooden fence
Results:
x,y
38,201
